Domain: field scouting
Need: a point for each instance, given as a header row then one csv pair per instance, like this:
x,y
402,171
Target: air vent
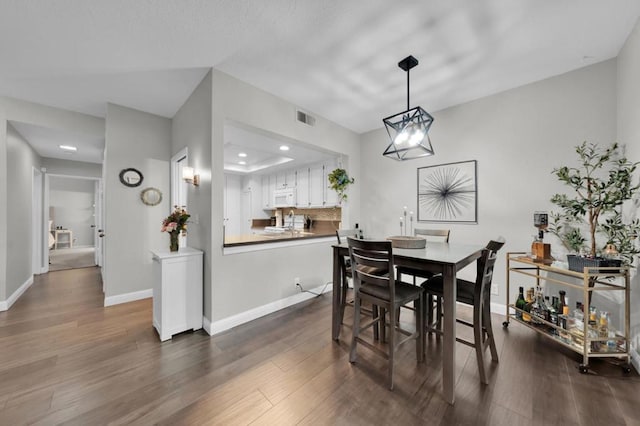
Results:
x,y
305,118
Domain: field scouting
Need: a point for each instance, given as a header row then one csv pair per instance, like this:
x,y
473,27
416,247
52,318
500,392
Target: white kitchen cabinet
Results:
x,y
302,187
281,180
330,196
177,291
286,179
266,192
316,185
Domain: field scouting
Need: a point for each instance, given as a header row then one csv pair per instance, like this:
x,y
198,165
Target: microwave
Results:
x,y
285,197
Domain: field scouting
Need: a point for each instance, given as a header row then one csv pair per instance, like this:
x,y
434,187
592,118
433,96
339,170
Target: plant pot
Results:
x,y
578,263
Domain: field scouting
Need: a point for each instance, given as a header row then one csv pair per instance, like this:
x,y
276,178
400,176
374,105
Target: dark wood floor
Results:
x,y
66,359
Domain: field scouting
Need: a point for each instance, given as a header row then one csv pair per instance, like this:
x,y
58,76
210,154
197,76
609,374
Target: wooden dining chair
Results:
x,y
436,235
440,235
341,235
388,294
478,295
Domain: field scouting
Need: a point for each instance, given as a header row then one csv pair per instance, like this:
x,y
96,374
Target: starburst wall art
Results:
x,y
448,193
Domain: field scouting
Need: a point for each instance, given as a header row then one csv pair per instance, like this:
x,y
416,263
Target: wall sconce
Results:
x,y
189,176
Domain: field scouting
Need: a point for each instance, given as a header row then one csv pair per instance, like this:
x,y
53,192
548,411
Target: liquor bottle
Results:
x,y
547,309
526,315
593,316
537,307
553,310
520,303
563,299
604,325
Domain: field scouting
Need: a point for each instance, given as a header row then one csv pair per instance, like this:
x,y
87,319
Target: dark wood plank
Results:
x,y
66,359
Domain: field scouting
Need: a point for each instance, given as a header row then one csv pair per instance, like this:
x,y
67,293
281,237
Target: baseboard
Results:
x,y
498,308
260,311
635,360
206,325
6,304
128,297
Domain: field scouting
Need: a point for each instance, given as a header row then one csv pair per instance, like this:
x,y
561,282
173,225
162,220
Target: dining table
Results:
x,y
437,257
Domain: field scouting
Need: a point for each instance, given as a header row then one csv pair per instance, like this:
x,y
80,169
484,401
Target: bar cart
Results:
x,y
579,336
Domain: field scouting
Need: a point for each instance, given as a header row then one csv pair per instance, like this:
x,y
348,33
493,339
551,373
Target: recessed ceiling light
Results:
x,y
242,154
284,148
68,148
242,163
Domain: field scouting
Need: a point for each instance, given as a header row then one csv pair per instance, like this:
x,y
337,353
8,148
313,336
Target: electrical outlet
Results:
x,y
494,289
296,281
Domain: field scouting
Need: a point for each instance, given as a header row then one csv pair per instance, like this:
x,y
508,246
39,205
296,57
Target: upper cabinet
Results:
x,y
330,197
311,183
302,187
316,185
285,179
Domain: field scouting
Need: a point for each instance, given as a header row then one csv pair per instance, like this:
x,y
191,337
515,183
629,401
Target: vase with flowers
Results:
x,y
175,224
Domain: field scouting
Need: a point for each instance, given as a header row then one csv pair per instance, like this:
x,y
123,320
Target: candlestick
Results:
x,y
401,226
405,218
411,222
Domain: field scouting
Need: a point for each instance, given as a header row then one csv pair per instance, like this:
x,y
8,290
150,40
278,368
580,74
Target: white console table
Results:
x,y
177,291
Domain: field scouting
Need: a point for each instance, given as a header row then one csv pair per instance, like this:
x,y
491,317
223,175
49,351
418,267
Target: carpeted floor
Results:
x,y
73,258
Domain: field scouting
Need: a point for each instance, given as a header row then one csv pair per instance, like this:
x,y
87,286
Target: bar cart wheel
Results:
x,y
626,368
584,369
505,324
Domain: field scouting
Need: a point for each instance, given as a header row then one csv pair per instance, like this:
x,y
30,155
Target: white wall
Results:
x,y
72,200
21,159
517,137
246,281
191,128
142,141
628,93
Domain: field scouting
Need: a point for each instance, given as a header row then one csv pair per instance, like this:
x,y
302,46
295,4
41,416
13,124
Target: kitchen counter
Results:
x,y
260,237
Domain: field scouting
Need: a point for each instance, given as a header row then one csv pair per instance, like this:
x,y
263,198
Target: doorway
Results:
x,y
72,212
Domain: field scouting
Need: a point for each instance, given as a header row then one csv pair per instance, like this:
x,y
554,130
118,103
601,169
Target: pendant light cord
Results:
x,y
408,88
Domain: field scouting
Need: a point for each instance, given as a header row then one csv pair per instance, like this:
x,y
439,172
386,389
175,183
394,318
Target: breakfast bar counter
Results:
x,y
262,237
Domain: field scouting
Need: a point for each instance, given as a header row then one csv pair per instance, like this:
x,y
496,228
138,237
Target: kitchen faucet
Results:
x,y
291,223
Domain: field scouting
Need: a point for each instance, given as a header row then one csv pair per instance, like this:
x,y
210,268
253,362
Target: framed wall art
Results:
x,y
448,193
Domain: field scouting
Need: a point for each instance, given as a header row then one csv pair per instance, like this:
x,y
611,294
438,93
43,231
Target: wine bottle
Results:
x,y
526,315
520,303
563,300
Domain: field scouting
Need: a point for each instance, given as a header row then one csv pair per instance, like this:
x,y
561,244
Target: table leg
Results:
x,y
449,332
337,291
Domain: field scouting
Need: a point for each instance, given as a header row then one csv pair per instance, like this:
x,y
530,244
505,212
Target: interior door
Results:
x,y
97,222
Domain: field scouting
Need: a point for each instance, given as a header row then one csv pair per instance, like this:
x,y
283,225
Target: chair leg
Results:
x,y
486,320
419,316
478,334
343,296
376,326
439,313
356,328
391,347
383,324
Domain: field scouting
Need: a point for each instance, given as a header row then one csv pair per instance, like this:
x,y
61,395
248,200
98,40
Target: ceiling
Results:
x,y
46,142
262,151
337,59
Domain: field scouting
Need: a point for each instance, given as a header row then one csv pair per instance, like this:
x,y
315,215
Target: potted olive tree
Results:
x,y
601,183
